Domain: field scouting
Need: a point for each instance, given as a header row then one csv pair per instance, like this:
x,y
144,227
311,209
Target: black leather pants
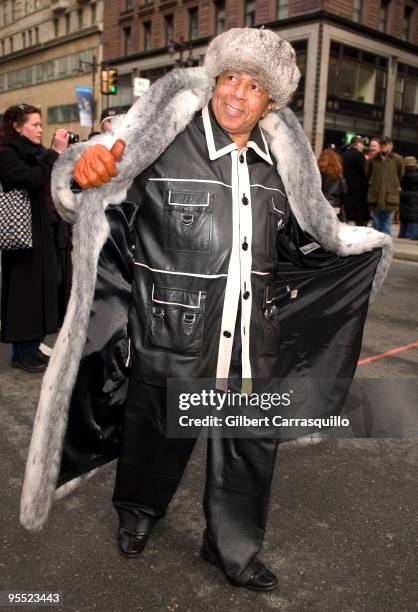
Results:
x,y
150,467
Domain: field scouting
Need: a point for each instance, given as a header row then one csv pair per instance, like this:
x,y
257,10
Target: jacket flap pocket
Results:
x,y
278,293
189,198
179,297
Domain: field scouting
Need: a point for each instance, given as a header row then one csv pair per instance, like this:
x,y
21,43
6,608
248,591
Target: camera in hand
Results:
x,y
73,138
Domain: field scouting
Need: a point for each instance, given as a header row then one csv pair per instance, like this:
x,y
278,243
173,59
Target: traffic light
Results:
x,y
104,82
113,81
109,82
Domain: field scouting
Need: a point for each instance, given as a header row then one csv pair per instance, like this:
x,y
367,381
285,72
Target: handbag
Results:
x,y
15,220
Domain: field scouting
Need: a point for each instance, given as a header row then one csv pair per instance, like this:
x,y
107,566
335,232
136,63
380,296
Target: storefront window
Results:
x,y
406,92
356,75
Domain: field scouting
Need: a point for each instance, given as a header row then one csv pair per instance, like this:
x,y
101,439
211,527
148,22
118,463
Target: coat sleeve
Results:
x,y
15,170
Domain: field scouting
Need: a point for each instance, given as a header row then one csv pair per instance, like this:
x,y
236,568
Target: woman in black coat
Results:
x,y
408,210
333,185
29,301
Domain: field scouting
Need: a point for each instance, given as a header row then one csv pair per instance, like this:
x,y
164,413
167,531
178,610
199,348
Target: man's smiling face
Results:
x,y
238,102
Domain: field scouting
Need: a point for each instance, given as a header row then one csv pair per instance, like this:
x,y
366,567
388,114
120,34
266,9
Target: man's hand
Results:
x,y
97,165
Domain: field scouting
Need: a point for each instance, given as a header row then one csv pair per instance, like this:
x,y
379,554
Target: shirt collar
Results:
x,y
219,143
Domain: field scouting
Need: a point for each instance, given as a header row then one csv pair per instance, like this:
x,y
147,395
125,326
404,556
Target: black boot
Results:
x,y
134,531
255,576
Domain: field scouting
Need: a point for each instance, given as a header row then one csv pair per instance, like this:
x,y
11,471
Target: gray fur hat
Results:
x,y
261,53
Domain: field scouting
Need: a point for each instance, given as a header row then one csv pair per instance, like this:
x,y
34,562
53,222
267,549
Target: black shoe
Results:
x,y
29,365
260,578
42,357
132,543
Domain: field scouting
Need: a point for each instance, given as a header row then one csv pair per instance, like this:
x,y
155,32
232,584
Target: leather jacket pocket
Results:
x,y
273,296
176,319
188,221
277,218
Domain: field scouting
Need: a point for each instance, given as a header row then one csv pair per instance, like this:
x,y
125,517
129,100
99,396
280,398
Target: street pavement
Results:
x,y
342,533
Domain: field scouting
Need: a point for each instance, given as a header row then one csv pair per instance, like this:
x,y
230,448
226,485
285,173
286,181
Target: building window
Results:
x,y
357,75
383,15
3,48
406,23
63,114
27,7
193,23
406,92
67,23
357,9
36,4
168,29
147,35
127,41
56,27
93,14
30,38
37,35
80,18
129,5
250,13
11,44
219,17
47,71
282,9
23,39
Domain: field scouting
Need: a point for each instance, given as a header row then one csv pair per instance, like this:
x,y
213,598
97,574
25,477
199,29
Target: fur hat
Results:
x,y
261,53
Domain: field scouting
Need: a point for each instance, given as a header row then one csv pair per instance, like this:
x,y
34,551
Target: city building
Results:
x,y
358,58
47,47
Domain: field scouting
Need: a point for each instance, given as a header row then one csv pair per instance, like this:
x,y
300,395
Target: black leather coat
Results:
x,y
409,198
166,293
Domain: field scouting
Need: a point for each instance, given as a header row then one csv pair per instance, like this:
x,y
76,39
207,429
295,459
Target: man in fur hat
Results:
x,y
192,268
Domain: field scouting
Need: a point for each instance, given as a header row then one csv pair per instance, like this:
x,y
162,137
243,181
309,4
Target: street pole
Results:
x,y
93,87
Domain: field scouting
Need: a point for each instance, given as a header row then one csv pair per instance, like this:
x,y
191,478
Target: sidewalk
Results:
x,y
404,248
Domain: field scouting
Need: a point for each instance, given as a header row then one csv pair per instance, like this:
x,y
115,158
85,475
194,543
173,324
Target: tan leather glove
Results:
x,y
97,164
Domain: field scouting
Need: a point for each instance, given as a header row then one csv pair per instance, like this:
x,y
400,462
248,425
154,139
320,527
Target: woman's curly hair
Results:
x,y
330,164
15,114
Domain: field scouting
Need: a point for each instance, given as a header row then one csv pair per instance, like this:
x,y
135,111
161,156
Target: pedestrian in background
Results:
x,y
409,200
333,184
385,171
29,303
355,200
106,117
374,148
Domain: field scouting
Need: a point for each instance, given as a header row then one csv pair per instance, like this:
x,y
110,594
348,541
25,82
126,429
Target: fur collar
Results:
x,y
148,128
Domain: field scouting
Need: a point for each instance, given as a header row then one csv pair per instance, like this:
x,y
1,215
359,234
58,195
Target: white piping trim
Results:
x,y
213,153
232,289
269,189
261,273
245,256
175,303
277,209
137,263
187,205
189,180
253,145
266,145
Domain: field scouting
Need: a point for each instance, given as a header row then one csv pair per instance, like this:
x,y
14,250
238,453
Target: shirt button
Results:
x,y
245,200
246,295
227,334
244,246
241,158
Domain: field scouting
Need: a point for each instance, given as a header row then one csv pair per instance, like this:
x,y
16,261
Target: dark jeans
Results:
x,y
409,230
25,350
238,479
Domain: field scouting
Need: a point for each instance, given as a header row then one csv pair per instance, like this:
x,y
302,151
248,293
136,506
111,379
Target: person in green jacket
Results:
x,y
384,171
